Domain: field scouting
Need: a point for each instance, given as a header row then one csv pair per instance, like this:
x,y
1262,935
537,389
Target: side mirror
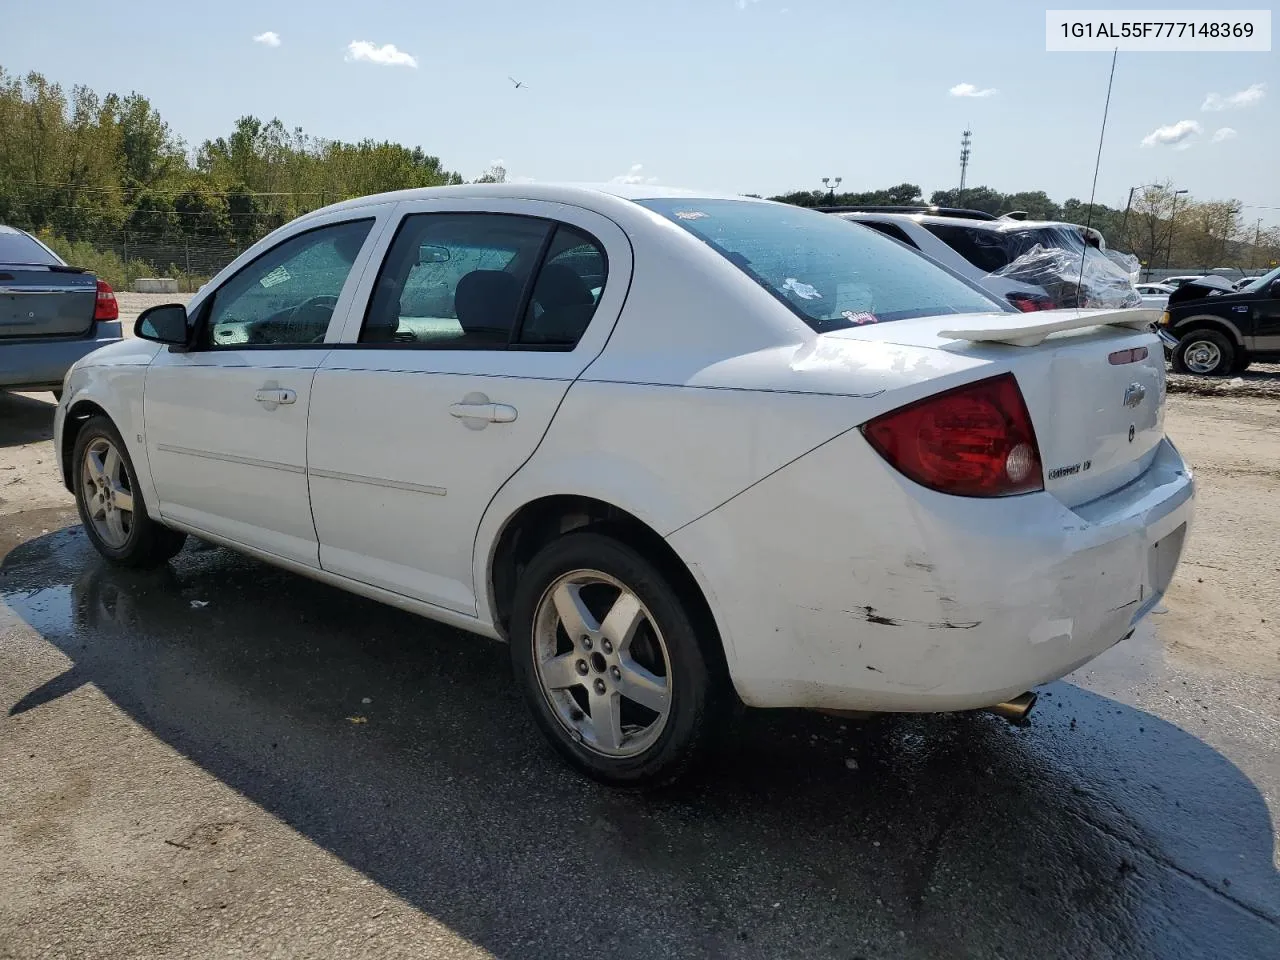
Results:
x,y
166,323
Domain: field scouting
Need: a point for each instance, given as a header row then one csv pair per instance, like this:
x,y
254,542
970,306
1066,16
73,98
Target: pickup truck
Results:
x,y
51,314
1211,328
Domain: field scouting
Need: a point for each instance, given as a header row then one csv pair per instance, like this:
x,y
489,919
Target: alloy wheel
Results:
x,y
108,497
1202,356
602,663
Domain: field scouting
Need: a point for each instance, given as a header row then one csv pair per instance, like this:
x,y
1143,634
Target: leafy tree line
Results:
x,y
80,166
1162,227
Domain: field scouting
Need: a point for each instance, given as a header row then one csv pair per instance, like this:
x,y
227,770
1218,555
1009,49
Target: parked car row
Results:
x,y
51,314
679,450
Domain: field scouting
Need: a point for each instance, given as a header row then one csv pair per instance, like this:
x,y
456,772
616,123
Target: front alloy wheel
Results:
x,y
107,492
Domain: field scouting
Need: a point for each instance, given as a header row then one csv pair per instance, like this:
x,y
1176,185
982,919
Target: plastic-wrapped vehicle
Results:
x,y
1032,264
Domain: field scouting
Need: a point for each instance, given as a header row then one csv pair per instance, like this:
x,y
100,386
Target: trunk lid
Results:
x,y
1093,381
42,301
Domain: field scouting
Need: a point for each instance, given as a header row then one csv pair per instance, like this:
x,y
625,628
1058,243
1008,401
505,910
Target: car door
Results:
x,y
226,420
477,323
1264,308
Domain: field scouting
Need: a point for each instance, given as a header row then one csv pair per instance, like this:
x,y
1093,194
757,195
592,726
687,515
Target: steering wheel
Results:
x,y
324,302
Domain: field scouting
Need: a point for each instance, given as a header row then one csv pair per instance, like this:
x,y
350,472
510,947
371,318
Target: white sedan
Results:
x,y
678,449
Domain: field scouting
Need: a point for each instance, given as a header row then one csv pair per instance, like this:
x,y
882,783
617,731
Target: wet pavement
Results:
x,y
1134,817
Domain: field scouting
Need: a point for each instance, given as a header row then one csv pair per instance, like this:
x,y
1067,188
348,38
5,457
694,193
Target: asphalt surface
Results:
x,y
222,759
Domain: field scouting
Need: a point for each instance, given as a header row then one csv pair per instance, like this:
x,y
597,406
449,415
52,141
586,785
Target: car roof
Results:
x,y
1005,226
572,193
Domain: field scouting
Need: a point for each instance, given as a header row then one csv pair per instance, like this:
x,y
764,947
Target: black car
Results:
x,y
1211,328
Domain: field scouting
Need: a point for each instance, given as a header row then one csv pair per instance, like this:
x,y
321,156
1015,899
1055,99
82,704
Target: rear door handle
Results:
x,y
273,396
491,412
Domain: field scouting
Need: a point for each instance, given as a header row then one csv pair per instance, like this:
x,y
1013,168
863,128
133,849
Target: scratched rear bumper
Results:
x,y
928,602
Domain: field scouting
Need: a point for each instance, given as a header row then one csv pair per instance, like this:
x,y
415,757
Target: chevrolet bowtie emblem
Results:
x,y
1134,394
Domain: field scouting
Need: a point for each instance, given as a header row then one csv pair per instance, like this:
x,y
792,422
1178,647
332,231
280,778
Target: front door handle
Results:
x,y
490,412
274,396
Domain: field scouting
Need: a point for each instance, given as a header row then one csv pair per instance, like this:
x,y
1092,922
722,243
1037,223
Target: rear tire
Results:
x,y
110,501
596,628
1205,352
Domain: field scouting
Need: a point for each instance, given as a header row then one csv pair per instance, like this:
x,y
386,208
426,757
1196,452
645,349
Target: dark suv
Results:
x,y
1211,328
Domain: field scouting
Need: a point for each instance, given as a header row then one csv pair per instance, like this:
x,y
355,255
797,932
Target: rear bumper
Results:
x,y
878,595
44,363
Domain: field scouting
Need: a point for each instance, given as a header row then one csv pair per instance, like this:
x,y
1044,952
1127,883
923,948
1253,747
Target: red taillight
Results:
x,y
106,307
973,441
1030,302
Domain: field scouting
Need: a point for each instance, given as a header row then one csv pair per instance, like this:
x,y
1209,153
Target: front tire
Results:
x,y
1205,352
110,500
608,656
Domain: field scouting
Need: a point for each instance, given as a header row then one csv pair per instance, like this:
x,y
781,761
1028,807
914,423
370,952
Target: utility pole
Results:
x,y
965,140
831,188
1257,242
1173,223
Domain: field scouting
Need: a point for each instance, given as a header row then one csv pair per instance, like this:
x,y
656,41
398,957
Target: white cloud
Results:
x,y
387,55
1175,134
634,175
1235,101
969,90
1223,133
268,39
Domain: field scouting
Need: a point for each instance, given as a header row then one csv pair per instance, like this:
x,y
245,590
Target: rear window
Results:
x,y
830,273
992,250
16,247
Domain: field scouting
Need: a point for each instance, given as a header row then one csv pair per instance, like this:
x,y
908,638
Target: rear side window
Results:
x,y
455,281
888,229
830,273
18,248
566,292
992,250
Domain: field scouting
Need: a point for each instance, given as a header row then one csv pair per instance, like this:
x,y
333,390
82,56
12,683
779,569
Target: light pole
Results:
x,y
1257,240
831,187
1173,222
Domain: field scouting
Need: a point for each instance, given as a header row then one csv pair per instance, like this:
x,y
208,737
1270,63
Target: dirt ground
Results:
x,y
225,759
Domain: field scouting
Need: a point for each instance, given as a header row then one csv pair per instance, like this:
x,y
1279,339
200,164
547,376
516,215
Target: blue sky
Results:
x,y
754,96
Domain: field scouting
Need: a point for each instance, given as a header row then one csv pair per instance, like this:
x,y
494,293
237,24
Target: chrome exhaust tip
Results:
x,y
1015,710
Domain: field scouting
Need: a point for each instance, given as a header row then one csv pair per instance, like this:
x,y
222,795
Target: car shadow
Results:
x,y
1100,830
25,418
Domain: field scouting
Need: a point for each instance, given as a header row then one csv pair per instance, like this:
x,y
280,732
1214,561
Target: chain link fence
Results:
x,y
122,257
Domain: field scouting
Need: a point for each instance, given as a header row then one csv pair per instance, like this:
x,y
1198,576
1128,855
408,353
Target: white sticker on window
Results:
x,y
805,291
691,215
278,275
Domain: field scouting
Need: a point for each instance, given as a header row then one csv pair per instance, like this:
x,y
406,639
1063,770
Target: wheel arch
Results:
x,y
538,522
78,414
1208,321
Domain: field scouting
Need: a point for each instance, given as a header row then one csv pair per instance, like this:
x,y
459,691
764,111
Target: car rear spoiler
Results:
x,y
1030,329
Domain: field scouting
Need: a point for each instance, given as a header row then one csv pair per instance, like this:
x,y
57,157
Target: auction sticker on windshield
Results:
x,y
1158,31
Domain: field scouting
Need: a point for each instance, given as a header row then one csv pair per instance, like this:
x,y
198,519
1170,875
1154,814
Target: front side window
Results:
x,y
287,296
832,274
455,281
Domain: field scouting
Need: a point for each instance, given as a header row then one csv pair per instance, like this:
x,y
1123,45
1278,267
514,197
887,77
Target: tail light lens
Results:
x,y
1030,302
106,307
973,441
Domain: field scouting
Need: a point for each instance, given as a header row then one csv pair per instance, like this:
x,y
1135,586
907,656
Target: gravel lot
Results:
x,y
223,759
